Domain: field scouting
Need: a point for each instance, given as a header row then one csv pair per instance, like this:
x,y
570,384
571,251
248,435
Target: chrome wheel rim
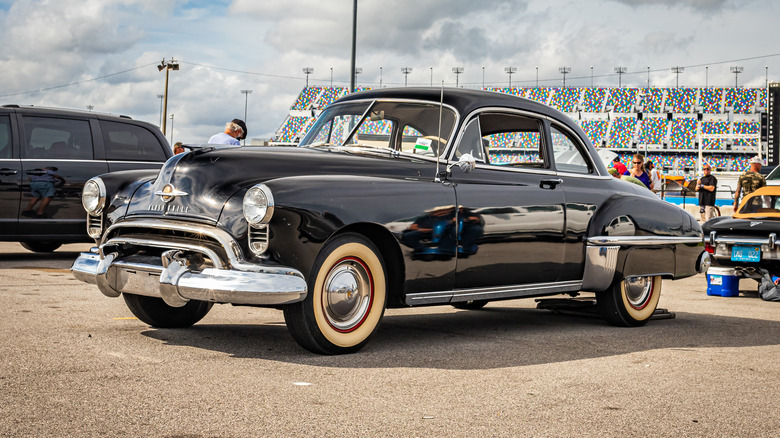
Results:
x,y
638,291
347,294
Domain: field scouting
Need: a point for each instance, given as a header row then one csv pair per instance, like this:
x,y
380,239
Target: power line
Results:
x,y
77,83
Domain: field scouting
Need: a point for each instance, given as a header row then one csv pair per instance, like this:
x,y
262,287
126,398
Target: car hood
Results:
x,y
202,181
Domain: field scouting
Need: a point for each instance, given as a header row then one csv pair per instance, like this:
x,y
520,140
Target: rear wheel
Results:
x,y
470,305
41,246
346,299
156,313
630,302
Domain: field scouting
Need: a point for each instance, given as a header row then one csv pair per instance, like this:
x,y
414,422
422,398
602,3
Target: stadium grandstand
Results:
x,y
671,126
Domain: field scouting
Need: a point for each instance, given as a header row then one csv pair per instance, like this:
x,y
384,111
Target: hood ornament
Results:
x,y
169,192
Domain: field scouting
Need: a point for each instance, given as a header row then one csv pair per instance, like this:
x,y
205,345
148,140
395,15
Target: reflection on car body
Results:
x,y
395,198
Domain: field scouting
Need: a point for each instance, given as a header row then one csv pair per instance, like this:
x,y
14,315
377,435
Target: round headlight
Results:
x,y
258,205
93,196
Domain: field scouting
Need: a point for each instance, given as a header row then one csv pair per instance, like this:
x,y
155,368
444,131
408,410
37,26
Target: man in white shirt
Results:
x,y
655,176
232,132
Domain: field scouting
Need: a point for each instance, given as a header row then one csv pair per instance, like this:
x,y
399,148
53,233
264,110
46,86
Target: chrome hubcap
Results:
x,y
638,291
347,295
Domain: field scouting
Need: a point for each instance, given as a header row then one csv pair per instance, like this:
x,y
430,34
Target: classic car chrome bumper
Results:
x,y
723,244
176,283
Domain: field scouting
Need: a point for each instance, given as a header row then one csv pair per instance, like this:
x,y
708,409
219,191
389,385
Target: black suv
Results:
x,y
46,156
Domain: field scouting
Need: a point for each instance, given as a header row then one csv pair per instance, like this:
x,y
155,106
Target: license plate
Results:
x,y
746,254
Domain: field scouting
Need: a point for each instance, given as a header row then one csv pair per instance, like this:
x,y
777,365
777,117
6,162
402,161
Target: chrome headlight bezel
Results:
x,y
258,205
93,196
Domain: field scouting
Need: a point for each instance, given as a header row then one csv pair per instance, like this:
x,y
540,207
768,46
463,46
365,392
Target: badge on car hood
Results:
x,y
169,192
754,223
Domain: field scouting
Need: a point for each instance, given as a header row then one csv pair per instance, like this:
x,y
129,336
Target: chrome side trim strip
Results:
x,y
492,293
643,240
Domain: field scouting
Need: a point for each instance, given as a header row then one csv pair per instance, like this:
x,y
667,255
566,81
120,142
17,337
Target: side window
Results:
x,y
508,140
54,138
568,157
472,142
126,142
5,137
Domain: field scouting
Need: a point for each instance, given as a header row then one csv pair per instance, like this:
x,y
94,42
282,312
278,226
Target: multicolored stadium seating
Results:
x,y
665,123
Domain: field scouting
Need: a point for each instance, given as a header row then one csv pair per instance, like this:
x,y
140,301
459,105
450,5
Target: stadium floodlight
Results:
x,y
565,71
677,70
457,71
307,71
509,71
620,71
406,71
167,66
737,69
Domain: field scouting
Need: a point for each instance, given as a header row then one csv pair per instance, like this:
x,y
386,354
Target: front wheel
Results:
x,y
630,302
346,299
156,313
41,246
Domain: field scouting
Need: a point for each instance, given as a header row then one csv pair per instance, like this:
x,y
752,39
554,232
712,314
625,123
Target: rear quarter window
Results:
x,y
126,142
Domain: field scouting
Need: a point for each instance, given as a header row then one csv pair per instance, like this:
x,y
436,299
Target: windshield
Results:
x,y
411,127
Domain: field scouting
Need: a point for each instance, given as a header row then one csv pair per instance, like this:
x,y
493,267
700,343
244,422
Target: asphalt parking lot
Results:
x,y
76,363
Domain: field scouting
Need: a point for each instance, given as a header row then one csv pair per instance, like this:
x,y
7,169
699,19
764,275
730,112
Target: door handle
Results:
x,y
550,183
7,172
36,172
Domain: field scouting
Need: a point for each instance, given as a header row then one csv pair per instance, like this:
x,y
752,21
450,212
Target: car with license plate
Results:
x,y
394,198
46,156
747,241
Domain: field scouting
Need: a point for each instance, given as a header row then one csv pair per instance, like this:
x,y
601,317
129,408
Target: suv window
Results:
x,y
5,137
126,142
48,137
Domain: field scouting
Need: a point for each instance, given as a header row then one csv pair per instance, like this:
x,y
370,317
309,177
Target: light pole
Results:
x,y
358,70
648,76
737,69
307,71
509,71
677,70
483,76
406,71
380,76
591,76
331,78
457,71
167,66
246,100
171,128
537,76
706,76
431,76
564,70
354,48
620,71
160,96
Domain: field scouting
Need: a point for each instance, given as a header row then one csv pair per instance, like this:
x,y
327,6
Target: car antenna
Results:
x,y
437,178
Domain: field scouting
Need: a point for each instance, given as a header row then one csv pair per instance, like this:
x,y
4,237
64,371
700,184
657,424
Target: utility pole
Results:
x,y
167,66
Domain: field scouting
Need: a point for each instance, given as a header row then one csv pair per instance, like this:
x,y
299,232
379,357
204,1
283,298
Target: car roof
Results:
x,y
763,191
62,111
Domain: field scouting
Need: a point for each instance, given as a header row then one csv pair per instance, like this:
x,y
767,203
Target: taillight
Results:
x,y
709,248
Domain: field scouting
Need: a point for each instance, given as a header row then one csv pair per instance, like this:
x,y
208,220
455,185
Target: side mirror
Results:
x,y
467,163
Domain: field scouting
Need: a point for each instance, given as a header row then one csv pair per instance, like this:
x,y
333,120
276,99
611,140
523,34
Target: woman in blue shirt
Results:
x,y
637,170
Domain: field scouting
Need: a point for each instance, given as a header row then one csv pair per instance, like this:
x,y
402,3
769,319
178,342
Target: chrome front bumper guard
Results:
x,y
174,279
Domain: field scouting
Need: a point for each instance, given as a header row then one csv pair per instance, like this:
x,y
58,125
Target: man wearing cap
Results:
x,y
707,186
750,181
241,123
231,135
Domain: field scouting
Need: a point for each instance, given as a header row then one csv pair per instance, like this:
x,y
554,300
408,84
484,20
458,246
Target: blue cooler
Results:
x,y
722,282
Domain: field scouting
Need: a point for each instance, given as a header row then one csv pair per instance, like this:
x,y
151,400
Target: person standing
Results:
x,y
617,165
707,186
638,171
655,175
232,132
749,182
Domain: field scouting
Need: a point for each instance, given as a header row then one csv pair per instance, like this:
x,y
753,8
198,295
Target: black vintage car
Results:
x,y
394,198
46,156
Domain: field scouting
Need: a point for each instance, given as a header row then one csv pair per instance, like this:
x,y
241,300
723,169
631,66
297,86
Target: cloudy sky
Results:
x,y
103,53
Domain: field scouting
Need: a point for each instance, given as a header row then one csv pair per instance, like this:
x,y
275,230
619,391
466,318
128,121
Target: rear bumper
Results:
x,y
170,278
